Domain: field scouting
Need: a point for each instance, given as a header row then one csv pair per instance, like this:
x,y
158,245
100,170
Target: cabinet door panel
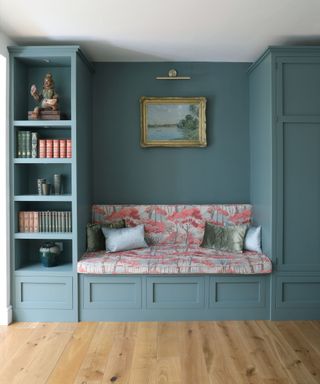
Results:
x,y
44,292
301,191
301,87
112,292
175,292
298,291
237,291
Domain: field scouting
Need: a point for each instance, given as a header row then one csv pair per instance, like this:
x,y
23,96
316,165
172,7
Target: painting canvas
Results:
x,y
173,122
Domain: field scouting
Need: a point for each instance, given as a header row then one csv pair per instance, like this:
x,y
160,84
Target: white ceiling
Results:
x,y
153,30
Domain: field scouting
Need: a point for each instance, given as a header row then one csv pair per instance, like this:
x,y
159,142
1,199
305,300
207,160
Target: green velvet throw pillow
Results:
x,y
230,238
95,237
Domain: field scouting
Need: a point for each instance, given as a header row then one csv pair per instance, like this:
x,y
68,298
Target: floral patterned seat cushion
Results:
x,y
174,259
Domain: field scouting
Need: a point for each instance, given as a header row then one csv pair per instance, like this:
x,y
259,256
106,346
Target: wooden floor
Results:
x,y
179,352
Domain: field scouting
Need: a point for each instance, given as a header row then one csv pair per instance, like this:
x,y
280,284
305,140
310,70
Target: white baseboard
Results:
x,y
6,315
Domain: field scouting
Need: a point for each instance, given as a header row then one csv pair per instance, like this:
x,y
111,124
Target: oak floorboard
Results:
x,y
94,364
144,354
193,361
166,371
221,369
241,368
169,354
120,358
68,365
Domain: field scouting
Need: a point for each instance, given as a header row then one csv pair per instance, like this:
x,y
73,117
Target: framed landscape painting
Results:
x,y
173,122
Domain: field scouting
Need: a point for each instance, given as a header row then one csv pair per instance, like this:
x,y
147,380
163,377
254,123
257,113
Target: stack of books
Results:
x,y
45,221
29,145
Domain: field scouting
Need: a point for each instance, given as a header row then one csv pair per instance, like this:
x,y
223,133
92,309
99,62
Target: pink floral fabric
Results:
x,y
174,259
173,224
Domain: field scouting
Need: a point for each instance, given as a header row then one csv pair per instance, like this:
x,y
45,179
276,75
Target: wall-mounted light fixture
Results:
x,y
173,75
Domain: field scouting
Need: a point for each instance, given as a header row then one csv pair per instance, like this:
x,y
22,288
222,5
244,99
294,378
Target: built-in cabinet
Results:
x,y
285,192
40,293
285,174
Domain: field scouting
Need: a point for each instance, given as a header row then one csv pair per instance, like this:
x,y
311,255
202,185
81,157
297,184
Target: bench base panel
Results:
x,y
171,298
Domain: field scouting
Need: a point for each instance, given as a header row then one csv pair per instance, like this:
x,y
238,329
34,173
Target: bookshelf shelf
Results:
x,y
29,160
47,198
37,268
43,123
43,235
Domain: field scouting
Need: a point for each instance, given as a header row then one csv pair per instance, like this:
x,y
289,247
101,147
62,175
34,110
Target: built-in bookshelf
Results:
x,y
39,150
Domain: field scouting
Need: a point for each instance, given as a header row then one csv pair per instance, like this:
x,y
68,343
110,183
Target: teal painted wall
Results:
x,y
123,172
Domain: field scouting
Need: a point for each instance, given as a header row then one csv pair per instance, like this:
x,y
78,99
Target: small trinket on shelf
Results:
x,y
47,99
49,253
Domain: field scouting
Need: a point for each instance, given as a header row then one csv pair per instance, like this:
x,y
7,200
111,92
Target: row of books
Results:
x,y
30,146
56,148
45,221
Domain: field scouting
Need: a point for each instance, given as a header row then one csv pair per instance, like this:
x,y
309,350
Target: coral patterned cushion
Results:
x,y
174,259
173,224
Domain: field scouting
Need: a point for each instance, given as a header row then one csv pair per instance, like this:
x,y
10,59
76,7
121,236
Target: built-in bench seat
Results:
x,y
174,259
174,278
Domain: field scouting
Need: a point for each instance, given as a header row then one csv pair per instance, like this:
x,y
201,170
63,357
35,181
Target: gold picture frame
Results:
x,y
173,121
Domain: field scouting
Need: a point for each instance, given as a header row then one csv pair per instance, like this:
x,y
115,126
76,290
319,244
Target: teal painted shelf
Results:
x,y
37,268
43,235
42,161
43,123
43,198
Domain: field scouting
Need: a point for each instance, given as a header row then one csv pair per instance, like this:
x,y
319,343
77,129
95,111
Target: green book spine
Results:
x,y
53,218
63,222
50,221
70,221
58,221
23,144
28,143
19,144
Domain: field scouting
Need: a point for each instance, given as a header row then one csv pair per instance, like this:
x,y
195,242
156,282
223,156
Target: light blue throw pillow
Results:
x,y
252,240
124,239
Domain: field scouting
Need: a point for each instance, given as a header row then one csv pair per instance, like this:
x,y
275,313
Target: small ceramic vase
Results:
x,y
49,253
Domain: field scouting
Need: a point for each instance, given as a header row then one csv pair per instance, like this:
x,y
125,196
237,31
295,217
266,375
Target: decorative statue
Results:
x,y
48,99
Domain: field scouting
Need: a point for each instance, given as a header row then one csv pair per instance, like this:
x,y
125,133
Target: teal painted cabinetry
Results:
x,y
39,293
175,297
285,174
